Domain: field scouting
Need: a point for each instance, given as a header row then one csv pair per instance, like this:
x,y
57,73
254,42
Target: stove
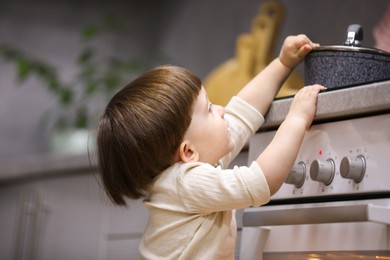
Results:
x,y
336,200
335,104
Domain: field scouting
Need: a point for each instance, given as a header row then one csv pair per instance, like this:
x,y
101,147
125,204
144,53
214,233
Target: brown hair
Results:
x,y
141,129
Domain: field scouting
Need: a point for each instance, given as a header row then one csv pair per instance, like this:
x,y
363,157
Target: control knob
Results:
x,y
297,175
322,171
353,168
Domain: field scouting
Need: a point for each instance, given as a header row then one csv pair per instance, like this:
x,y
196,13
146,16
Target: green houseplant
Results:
x,y
96,77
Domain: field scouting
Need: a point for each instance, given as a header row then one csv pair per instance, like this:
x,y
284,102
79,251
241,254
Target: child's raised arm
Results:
x,y
278,158
261,90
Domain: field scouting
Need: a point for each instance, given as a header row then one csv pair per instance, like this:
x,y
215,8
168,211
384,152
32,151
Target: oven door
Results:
x,y
333,230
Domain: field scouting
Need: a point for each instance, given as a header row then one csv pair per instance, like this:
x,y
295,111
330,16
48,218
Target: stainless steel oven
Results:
x,y
335,204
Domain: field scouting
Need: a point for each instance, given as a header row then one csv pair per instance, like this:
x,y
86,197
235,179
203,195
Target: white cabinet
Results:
x,y
66,215
72,218
16,215
124,232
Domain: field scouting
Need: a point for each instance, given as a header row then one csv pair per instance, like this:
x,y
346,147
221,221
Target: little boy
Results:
x,y
160,138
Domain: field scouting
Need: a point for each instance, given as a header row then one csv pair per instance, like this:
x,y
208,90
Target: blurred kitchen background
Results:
x,y
59,63
199,35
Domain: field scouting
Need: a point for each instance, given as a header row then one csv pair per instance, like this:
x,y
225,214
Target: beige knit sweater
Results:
x,y
191,205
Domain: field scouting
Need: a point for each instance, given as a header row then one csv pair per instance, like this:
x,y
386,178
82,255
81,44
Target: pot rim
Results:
x,y
350,49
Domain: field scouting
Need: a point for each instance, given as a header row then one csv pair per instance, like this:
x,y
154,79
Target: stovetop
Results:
x,y
338,104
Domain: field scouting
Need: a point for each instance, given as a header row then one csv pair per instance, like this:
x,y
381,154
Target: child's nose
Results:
x,y
221,111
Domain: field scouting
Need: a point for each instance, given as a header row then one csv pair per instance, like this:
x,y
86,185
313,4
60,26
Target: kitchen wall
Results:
x,y
195,34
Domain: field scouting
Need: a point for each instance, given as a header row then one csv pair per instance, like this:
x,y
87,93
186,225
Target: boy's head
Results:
x,y
142,128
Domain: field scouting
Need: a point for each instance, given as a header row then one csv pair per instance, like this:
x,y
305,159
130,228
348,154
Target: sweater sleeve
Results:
x,y
244,120
204,188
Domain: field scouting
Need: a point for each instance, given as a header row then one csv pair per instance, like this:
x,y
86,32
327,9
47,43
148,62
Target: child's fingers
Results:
x,y
310,91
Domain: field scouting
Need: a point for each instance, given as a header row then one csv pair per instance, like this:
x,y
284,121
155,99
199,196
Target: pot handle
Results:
x,y
354,35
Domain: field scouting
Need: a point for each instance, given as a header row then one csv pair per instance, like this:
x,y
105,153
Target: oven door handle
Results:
x,y
269,216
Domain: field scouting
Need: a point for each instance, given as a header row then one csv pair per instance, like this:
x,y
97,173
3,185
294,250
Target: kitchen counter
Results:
x,y
338,104
42,166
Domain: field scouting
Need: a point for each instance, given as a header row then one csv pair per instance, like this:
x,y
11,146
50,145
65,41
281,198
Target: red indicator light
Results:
x,y
320,152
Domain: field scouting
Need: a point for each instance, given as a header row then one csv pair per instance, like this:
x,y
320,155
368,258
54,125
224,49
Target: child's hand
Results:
x,y
294,50
303,106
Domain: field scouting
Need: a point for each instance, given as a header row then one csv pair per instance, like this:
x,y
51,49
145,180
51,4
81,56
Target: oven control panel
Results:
x,y
342,157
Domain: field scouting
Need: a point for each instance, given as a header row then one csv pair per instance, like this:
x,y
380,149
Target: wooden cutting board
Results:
x,y
254,51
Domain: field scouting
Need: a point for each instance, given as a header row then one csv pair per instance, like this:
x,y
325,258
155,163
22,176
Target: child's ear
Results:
x,y
187,153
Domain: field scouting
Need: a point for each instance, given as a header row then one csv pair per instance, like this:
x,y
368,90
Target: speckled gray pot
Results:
x,y
343,66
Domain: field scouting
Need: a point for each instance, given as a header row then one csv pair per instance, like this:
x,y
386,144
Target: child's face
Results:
x,y
209,133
